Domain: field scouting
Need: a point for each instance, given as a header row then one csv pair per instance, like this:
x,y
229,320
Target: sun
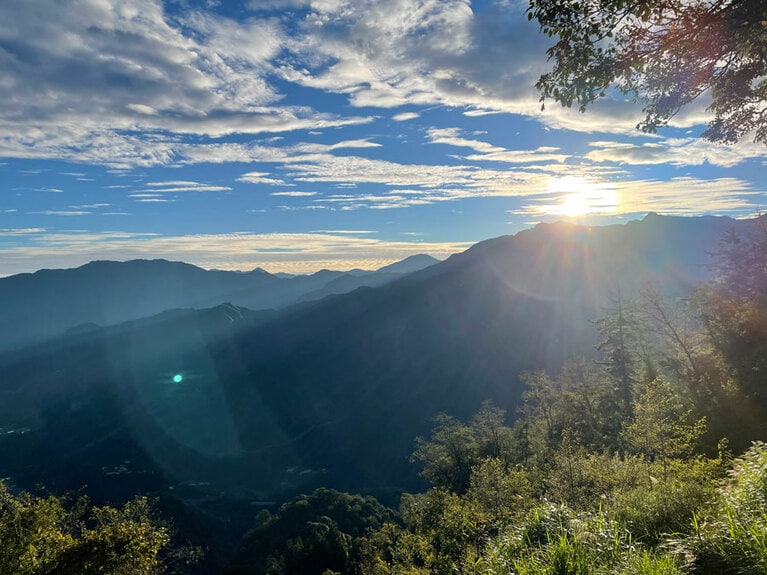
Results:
x,y
578,196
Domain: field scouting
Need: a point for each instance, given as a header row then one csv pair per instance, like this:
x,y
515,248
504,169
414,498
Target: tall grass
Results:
x,y
554,540
733,538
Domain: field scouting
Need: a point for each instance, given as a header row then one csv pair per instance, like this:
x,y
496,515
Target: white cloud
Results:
x,y
21,231
676,151
344,232
490,153
261,178
294,194
156,189
142,109
62,213
679,196
198,73
452,137
390,52
197,188
65,76
172,183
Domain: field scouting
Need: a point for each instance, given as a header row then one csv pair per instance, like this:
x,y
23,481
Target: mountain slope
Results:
x,y
331,392
49,302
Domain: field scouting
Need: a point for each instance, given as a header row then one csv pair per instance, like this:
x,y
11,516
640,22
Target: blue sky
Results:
x,y
301,134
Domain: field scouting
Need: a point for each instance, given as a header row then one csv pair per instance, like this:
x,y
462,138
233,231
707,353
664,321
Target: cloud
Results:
x,y
143,109
386,53
686,196
490,153
62,213
676,151
261,178
175,186
66,73
345,232
196,76
192,189
20,231
267,5
404,116
451,137
294,194
276,252
171,183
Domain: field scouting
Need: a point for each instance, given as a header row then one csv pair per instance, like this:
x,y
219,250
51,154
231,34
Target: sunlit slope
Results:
x,y
330,392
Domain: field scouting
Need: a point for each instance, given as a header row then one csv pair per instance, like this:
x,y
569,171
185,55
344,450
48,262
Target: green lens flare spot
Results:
x,y
178,378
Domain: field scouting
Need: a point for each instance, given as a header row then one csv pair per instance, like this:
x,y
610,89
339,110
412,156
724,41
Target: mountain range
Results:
x,y
259,404
36,306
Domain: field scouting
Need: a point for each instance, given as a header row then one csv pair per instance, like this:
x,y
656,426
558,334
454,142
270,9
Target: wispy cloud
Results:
x,y
21,231
294,194
261,178
681,196
62,213
182,186
490,153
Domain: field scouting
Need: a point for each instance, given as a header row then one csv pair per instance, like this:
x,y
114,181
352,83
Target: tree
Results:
x,y
449,454
663,428
494,439
733,310
664,53
47,535
616,330
311,534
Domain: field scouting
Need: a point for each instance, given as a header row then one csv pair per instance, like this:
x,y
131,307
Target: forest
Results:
x,y
647,461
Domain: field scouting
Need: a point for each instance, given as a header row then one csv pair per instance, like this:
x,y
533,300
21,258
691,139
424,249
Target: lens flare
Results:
x,y
579,197
178,378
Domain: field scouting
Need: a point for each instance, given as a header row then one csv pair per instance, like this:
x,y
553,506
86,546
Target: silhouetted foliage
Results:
x,y
664,53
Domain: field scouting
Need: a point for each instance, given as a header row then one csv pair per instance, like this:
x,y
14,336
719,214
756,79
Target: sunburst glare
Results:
x,y
577,196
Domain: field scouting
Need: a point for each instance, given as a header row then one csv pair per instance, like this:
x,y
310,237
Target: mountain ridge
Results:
x,y
336,389
48,302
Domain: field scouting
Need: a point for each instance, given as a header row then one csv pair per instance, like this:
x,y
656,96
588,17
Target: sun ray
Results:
x,y
577,196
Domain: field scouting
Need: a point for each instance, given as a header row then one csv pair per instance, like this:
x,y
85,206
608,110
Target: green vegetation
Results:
x,y
311,534
50,535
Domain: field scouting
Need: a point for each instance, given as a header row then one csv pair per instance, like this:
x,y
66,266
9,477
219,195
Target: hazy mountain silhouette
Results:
x,y
49,302
351,281
328,392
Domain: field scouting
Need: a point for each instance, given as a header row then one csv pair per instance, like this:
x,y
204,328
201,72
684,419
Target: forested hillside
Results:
x,y
638,463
